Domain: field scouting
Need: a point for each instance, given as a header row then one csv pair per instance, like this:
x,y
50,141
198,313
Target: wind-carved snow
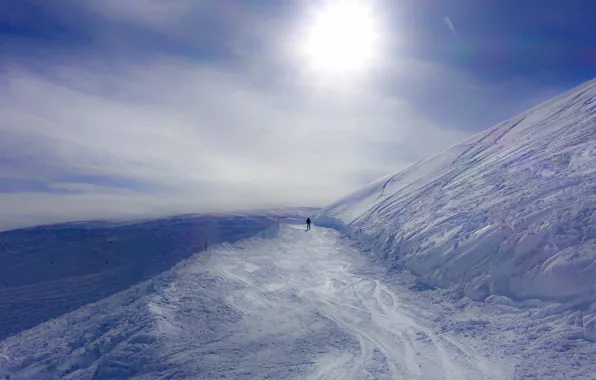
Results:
x,y
508,212
48,271
505,225
304,305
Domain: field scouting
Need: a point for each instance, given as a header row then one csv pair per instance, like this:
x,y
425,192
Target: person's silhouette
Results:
x,y
307,224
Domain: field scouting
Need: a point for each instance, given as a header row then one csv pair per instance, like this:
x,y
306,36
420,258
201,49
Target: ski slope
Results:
x,y
302,305
508,215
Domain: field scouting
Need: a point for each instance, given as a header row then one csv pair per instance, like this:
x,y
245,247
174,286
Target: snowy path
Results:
x,y
303,305
302,308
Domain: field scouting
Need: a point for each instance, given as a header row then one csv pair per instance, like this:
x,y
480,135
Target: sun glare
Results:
x,y
342,37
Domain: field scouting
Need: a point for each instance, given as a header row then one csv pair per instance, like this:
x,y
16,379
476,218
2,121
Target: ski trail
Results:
x,y
299,306
355,323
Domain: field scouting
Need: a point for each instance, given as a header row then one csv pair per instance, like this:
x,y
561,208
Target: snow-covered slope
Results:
x,y
508,215
51,270
297,306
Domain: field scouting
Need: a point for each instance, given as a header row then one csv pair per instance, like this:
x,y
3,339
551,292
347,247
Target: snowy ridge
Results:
x,y
508,215
51,270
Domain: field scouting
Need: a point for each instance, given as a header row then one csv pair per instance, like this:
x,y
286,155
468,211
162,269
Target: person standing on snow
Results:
x,y
307,224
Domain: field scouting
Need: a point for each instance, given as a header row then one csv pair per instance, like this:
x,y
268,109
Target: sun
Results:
x,y
342,37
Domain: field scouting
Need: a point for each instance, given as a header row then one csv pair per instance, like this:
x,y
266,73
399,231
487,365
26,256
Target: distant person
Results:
x,y
307,224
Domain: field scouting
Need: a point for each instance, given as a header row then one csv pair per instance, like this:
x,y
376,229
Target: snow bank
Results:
x,y
509,212
51,270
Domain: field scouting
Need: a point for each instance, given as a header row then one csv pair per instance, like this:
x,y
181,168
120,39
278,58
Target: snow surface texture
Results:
x,y
51,270
504,224
510,212
302,305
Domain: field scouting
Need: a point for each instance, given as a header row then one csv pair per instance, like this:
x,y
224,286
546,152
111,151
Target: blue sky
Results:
x,y
148,107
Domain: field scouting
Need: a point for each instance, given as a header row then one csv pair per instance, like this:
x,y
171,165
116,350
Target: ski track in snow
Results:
x,y
305,285
305,305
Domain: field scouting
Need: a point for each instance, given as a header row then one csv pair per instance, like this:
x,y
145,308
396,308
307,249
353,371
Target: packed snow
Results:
x,y
293,305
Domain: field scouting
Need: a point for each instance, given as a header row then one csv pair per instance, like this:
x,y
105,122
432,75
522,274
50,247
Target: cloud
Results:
x,y
180,136
449,24
138,112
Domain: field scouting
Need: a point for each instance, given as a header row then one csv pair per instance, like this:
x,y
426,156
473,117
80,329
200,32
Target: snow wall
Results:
x,y
507,214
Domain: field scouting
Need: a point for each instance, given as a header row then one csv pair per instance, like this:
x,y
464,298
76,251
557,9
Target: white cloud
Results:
x,y
189,137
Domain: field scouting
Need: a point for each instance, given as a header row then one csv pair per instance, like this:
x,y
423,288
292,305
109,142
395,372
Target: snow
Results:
x,y
507,212
504,225
476,263
297,305
51,270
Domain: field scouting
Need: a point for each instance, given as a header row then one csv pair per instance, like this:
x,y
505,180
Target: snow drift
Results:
x,y
51,270
510,212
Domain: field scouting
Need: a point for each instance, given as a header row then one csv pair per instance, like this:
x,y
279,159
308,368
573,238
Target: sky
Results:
x,y
145,107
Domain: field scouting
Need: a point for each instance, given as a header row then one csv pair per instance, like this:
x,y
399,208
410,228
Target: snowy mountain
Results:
x,y
477,263
504,224
510,212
